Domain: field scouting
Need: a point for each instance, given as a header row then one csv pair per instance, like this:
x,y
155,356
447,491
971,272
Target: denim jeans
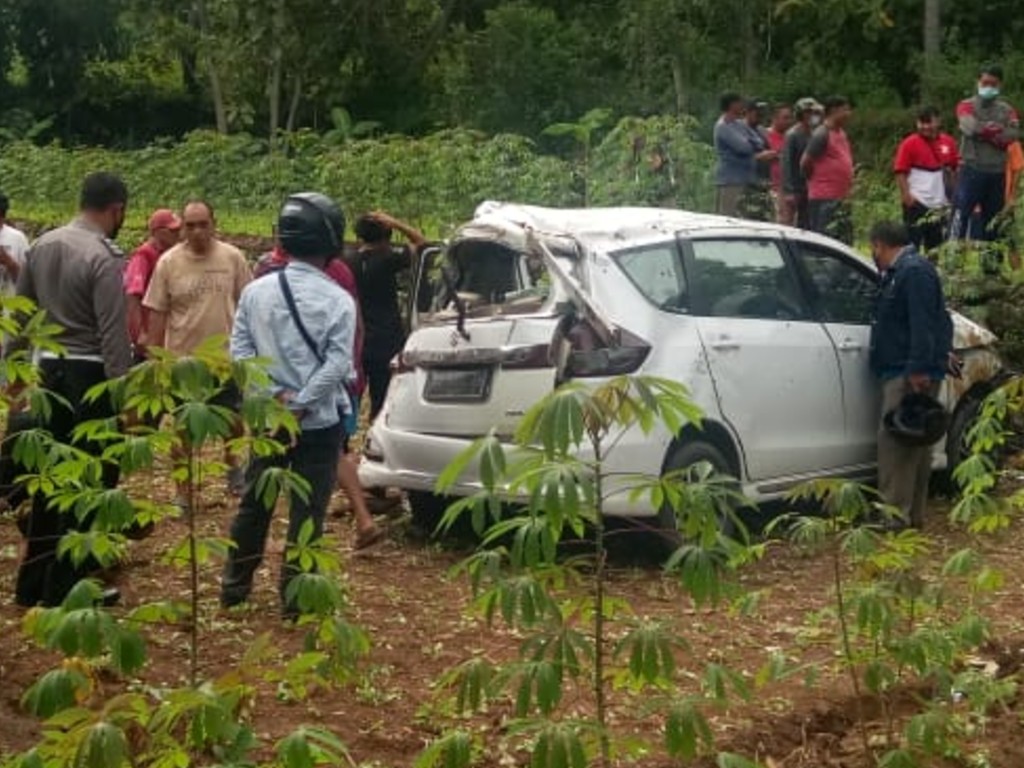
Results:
x,y
315,457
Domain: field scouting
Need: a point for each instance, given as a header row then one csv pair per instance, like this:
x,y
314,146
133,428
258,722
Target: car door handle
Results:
x,y
849,345
724,344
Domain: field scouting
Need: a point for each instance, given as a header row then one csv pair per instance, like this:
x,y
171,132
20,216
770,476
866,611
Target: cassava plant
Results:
x,y
904,621
578,639
86,723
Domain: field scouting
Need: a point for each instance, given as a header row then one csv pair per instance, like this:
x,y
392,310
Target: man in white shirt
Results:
x,y
13,247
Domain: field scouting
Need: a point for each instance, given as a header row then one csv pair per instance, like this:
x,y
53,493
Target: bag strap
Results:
x,y
290,300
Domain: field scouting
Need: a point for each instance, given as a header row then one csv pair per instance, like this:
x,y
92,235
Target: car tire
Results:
x,y
957,448
686,455
427,510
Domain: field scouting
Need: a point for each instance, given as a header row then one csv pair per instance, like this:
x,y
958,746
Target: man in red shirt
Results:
x,y
367,531
925,166
782,121
828,165
164,229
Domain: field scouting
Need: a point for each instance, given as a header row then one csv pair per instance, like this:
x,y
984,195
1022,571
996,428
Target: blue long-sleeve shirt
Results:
x,y
264,328
736,149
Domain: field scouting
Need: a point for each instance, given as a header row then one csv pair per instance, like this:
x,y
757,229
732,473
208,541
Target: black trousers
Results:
x,y
43,578
831,217
315,457
378,378
927,226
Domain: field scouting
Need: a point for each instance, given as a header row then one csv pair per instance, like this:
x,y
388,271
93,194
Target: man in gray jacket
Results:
x,y
736,168
988,125
74,273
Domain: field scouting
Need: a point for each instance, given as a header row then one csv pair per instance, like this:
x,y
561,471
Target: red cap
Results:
x,y
164,218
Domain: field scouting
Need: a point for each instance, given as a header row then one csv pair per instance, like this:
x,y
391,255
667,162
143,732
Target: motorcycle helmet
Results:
x,y
310,225
918,420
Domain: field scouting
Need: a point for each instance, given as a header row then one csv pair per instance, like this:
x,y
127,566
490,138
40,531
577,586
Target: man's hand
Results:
x,y
908,200
766,155
919,382
955,365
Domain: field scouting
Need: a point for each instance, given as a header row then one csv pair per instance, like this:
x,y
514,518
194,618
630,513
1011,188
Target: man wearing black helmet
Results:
x,y
304,323
911,340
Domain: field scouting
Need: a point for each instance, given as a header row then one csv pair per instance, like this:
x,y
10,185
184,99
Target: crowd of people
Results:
x,y
794,164
328,323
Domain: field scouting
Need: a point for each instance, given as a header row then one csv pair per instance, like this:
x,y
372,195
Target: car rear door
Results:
x,y
774,367
842,292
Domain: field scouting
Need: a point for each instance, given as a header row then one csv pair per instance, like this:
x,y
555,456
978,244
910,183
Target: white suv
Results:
x,y
767,326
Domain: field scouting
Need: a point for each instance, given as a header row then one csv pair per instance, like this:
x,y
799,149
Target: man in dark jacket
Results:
x,y
911,340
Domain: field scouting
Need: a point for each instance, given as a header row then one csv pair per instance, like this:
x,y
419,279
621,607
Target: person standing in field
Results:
x,y
827,163
988,125
735,149
793,199
193,296
164,232
925,165
367,531
756,203
304,324
376,264
13,247
74,274
782,121
911,341
1008,224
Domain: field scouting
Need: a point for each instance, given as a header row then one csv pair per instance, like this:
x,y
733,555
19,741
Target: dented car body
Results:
x,y
767,326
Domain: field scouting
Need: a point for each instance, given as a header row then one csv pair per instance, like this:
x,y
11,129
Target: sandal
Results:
x,y
368,538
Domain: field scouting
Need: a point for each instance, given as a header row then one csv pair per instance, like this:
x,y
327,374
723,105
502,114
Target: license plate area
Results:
x,y
458,385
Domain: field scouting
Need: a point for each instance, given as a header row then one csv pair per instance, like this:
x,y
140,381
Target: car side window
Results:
x,y
745,278
657,272
841,292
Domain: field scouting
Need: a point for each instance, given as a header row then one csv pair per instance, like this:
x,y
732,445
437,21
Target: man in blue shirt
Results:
x,y
911,341
304,324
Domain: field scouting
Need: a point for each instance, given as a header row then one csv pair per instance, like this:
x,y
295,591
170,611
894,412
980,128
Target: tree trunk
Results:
x,y
216,87
678,85
274,81
748,40
932,42
293,108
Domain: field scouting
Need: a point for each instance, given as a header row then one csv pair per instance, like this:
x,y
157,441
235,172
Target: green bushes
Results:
x,y
435,181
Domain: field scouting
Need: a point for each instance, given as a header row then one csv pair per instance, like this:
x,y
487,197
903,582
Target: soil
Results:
x,y
403,594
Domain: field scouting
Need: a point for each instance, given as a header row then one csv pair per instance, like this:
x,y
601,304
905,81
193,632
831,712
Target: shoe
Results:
x,y
236,480
109,597
369,537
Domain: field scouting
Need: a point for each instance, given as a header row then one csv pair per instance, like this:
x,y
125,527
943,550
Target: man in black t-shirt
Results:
x,y
376,264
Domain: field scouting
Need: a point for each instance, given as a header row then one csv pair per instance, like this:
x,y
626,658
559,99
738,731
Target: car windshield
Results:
x,y
482,278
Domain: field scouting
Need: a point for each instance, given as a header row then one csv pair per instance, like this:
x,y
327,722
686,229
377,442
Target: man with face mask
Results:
x,y
74,273
988,125
793,195
925,165
911,340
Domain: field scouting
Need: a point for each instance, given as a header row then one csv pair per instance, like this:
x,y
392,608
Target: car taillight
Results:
x,y
625,357
534,356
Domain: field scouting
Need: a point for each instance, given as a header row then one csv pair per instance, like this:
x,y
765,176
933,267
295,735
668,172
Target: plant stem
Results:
x,y
844,629
193,564
599,574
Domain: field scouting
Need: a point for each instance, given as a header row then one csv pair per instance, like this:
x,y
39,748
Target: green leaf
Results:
x,y
55,691
686,731
453,750
103,747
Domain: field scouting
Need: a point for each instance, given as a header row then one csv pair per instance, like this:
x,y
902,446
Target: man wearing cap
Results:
x,y
304,324
164,230
911,341
793,194
827,164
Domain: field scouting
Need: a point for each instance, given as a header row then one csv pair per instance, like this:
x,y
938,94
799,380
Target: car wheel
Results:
x,y
687,455
427,510
957,446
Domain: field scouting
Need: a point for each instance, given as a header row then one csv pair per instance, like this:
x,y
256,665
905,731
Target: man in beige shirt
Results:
x,y
193,295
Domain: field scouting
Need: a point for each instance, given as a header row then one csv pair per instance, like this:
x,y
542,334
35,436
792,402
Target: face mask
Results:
x,y
815,121
988,91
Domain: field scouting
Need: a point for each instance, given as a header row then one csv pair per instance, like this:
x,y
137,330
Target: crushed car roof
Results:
x,y
604,228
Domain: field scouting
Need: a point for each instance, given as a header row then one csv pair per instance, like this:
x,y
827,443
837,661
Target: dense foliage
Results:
x,y
124,72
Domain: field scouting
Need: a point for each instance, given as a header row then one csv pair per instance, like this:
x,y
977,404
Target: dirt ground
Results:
x,y
416,614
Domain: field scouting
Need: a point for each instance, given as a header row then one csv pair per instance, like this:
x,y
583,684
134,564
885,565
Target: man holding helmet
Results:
x,y
304,323
911,343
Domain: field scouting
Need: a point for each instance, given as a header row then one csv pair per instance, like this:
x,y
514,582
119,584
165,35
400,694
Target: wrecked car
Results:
x,y
767,326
